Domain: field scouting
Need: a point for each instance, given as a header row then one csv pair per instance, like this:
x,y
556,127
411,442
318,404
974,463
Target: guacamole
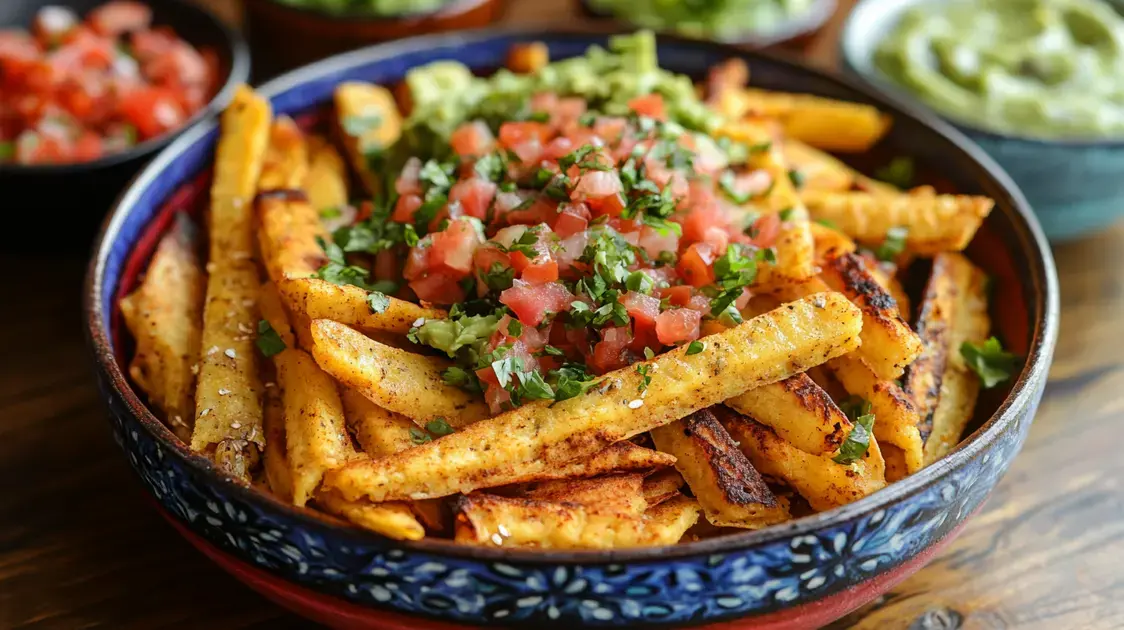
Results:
x,y
373,7
716,19
1039,68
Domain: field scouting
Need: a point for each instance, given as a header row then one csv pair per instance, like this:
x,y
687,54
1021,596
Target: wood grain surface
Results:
x,y
81,547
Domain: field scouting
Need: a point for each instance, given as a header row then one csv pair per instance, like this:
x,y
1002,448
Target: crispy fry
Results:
x,y
829,242
821,122
369,122
520,444
396,380
286,157
888,343
821,171
326,182
165,316
393,520
795,248
347,304
227,396
661,486
623,456
612,494
527,58
799,411
378,431
730,491
922,379
238,163
960,386
275,457
890,284
314,422
934,224
895,416
503,522
896,470
822,482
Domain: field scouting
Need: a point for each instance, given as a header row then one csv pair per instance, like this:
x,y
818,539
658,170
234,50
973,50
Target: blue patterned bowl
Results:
x,y
1073,185
801,574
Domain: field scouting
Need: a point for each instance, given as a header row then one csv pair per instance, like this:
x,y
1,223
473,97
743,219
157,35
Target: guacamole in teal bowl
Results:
x,y
1039,84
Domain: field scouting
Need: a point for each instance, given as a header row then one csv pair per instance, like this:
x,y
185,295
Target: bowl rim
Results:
x,y
451,8
1044,303
872,79
810,20
239,73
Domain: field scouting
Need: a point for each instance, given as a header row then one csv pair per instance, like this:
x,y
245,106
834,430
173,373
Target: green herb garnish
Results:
x,y
988,360
858,440
269,342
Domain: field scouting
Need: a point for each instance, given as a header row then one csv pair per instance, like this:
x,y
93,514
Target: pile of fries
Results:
x,y
830,389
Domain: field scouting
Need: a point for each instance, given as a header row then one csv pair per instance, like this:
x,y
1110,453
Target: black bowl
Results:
x,y
71,199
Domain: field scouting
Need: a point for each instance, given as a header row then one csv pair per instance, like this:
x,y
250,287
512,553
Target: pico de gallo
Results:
x,y
573,236
74,90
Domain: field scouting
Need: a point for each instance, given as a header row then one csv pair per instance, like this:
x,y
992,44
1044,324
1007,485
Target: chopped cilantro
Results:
x,y
695,347
438,427
533,387
899,172
490,167
575,156
828,223
797,178
550,350
640,282
572,379
893,245
726,183
989,361
332,212
858,440
338,271
539,117
378,302
514,328
269,342
7,150
417,436
645,379
786,214
498,277
649,354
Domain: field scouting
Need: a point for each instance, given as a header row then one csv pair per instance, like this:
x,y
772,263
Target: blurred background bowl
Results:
x,y
1074,186
72,199
284,36
791,32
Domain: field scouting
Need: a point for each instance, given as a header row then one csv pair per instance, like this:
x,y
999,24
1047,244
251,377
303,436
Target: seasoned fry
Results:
x,y
821,122
519,444
503,522
527,58
165,316
393,520
286,157
800,411
378,431
662,486
895,416
275,457
326,182
730,491
369,123
349,305
612,494
893,286
822,482
896,469
396,380
820,170
935,224
620,457
795,248
227,396
960,386
829,242
273,311
922,379
314,422
888,343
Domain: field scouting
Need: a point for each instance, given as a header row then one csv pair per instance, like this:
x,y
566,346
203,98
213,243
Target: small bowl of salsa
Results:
x,y
90,89
1038,84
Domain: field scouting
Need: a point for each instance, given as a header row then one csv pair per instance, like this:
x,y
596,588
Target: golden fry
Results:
x,y
800,411
286,157
612,494
393,520
821,122
369,123
895,416
349,305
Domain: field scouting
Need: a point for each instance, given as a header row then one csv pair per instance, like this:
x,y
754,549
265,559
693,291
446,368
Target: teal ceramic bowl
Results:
x,y
1074,186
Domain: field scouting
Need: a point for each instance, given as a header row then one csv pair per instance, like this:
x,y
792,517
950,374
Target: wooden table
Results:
x,y
79,545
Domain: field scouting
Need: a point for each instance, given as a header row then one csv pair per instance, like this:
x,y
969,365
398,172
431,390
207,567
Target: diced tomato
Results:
x,y
650,105
182,65
678,325
475,196
766,229
543,210
641,308
596,185
677,295
699,303
557,148
718,238
52,23
572,218
570,249
120,16
654,242
405,208
567,112
611,206
417,261
409,182
610,128
472,139
87,147
609,353
152,43
387,266
540,272
694,265
438,288
743,299
513,134
531,303
453,249
152,111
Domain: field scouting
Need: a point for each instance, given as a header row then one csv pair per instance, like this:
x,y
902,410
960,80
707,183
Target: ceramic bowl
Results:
x,y
77,196
283,36
798,575
792,32
1073,185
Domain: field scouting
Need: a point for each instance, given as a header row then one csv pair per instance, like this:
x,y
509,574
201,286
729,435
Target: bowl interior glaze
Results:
x,y
1010,247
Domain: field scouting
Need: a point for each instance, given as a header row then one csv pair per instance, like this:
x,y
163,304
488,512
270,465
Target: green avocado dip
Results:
x,y
717,19
1039,68
387,8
